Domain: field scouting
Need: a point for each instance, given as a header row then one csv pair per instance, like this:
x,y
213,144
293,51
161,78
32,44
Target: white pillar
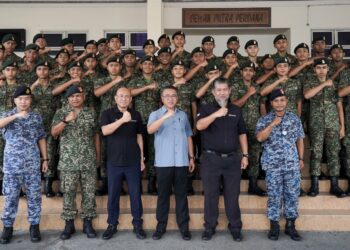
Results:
x,y
154,19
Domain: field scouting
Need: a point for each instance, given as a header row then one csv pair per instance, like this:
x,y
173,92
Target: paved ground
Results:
x,y
171,240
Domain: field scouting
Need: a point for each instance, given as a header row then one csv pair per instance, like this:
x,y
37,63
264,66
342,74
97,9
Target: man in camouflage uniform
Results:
x,y
164,41
319,46
231,69
245,94
59,73
281,134
40,40
179,53
326,126
9,43
163,70
337,64
208,45
252,49
24,134
233,43
129,69
26,73
145,92
281,44
76,126
45,103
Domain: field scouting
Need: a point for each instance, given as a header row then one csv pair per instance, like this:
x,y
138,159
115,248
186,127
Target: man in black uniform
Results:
x,y
222,131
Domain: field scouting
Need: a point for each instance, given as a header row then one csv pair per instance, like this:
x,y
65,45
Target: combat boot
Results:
x,y
335,189
314,189
69,229
6,235
48,187
34,232
0,187
291,231
152,187
88,229
253,188
104,188
274,230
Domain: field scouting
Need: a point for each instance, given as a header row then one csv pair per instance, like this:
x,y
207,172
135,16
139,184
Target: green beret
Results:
x,y
211,66
147,58
279,37
90,42
336,46
22,90
102,40
37,36
247,64
32,46
164,50
266,56
9,63
73,89
321,61
208,39
281,60
233,39
129,52
178,33
229,51
89,55
300,46
148,42
116,59
65,51
165,36
197,50
43,63
75,64
177,62
66,41
251,42
7,37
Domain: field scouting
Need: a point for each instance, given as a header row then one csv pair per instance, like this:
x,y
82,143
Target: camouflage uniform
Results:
x,y
26,77
218,61
162,76
280,159
13,57
184,56
22,166
251,114
77,163
324,127
290,57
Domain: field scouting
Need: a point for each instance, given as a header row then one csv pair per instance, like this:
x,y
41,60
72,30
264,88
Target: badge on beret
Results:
x,y
254,42
282,91
78,63
323,61
14,64
211,39
28,91
215,67
45,63
180,62
283,37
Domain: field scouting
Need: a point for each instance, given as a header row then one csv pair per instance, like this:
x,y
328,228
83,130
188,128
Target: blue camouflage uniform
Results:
x,y
281,161
22,166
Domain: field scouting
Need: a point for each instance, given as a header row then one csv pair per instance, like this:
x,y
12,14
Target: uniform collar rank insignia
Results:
x,y
323,61
215,67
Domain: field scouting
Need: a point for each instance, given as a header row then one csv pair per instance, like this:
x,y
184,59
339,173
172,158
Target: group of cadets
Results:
x,y
317,87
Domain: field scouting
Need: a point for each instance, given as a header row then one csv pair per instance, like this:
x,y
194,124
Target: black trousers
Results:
x,y
213,169
167,177
132,175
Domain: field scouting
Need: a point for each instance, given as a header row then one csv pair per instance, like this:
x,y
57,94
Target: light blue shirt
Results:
x,y
171,139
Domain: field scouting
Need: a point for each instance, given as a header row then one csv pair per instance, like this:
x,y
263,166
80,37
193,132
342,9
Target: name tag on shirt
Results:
x,y
231,115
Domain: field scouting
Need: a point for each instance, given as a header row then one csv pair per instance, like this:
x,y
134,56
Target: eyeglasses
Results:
x,y
169,96
123,96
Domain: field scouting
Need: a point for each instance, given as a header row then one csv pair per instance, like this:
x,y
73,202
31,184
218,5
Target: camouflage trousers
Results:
x,y
346,144
148,142
282,185
12,184
52,153
2,148
330,138
254,149
69,186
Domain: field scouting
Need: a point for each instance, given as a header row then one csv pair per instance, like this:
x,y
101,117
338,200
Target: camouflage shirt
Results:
x,y
6,96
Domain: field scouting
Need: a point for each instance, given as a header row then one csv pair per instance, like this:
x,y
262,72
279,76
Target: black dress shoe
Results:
x,y
110,231
186,235
140,233
157,235
208,234
236,235
34,232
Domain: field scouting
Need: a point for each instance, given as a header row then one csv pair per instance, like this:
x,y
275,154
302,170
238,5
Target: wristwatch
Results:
x,y
64,121
245,155
192,157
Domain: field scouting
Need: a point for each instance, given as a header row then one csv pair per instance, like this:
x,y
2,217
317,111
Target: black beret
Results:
x,y
318,38
101,40
73,89
211,66
247,64
9,63
177,62
279,37
266,56
336,46
301,45
2,47
233,39
320,61
89,55
114,36
129,52
37,36
165,36
32,46
43,63
251,42
90,42
208,39
276,93
229,51
164,50
75,64
22,90
148,42
178,33
7,37
281,60
147,58
116,59
196,50
66,41
65,51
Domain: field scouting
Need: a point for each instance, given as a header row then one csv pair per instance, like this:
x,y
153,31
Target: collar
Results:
x,y
163,110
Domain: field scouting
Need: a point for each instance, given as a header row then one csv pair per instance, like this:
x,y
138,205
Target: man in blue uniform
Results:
x,y
24,133
281,134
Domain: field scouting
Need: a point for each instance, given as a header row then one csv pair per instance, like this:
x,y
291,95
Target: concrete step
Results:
x,y
253,219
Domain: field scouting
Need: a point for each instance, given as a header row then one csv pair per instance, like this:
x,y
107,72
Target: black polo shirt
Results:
x,y
122,147
222,135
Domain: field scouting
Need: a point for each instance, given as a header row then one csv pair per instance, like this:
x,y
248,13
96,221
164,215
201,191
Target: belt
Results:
x,y
219,154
